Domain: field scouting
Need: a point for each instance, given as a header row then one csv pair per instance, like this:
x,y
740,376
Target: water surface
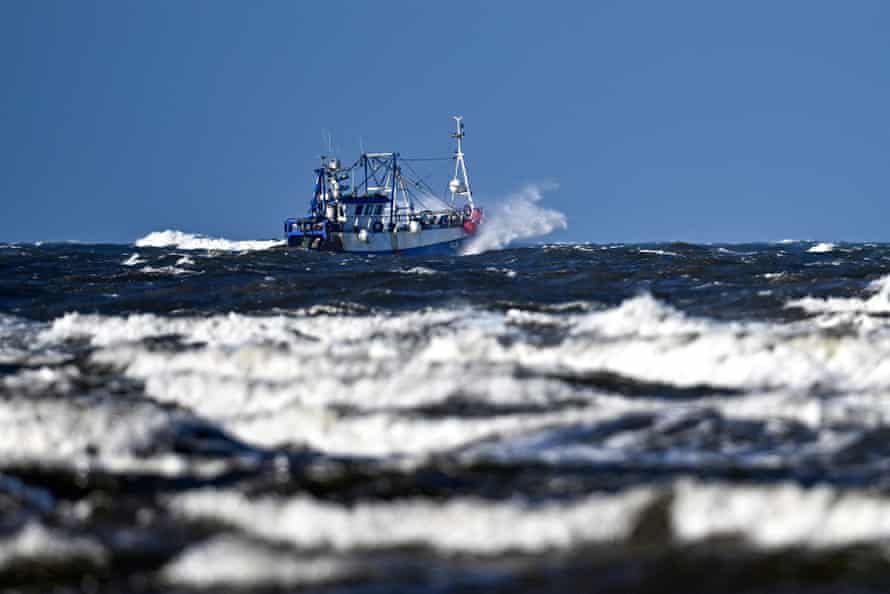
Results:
x,y
607,418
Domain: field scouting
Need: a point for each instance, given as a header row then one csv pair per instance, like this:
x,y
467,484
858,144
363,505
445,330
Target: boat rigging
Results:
x,y
375,206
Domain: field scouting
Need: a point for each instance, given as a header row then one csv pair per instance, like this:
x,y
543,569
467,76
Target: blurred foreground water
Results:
x,y
237,417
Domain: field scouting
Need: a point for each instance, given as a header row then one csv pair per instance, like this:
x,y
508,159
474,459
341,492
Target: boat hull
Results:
x,y
449,241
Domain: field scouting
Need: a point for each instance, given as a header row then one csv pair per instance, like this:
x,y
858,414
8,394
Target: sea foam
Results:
x,y
271,380
768,517
878,303
189,241
247,563
822,248
518,217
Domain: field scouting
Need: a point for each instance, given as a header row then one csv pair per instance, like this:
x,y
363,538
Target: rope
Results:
x,y
421,181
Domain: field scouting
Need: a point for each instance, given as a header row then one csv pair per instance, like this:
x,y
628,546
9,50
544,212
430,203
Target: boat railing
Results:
x,y
427,218
431,218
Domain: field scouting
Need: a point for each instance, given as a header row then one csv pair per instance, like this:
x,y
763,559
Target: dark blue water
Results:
x,y
719,281
598,418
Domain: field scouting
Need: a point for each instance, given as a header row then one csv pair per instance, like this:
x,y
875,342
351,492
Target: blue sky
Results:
x,y
696,121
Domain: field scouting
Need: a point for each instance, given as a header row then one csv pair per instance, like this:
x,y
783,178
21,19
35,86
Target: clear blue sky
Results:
x,y
696,121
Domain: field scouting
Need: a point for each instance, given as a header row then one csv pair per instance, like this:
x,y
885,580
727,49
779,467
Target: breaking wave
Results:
x,y
822,248
518,217
596,418
770,517
879,303
237,371
133,260
189,241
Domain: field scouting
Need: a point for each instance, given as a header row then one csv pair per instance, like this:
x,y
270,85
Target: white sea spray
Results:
x,y
878,303
133,260
189,241
241,373
518,216
822,248
768,517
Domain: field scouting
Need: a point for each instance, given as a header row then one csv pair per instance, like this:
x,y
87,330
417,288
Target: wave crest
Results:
x,y
190,241
518,217
878,303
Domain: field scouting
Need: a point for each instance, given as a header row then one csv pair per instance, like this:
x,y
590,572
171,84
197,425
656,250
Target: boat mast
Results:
x,y
392,196
460,185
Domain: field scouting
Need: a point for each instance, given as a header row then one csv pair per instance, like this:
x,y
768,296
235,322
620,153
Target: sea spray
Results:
x,y
190,241
878,303
519,216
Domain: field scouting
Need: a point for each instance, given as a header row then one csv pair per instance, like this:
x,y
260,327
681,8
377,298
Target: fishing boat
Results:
x,y
375,207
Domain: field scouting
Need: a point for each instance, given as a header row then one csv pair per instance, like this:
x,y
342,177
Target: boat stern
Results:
x,y
308,233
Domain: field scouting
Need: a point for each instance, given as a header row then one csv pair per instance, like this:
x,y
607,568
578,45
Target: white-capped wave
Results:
x,y
42,424
658,252
228,560
518,217
272,380
421,270
12,325
171,270
779,516
189,241
768,517
642,338
17,340
460,525
822,248
250,385
133,260
37,544
508,272
220,330
878,303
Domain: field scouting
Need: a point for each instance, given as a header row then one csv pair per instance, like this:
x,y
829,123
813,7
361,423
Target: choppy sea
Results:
x,y
186,414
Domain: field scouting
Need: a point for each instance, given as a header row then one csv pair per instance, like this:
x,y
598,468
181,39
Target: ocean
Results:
x,y
186,414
